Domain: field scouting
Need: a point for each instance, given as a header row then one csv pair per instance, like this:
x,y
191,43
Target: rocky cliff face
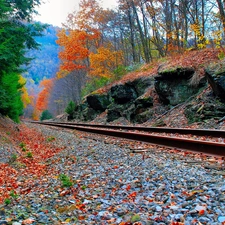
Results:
x,y
134,100
174,86
216,79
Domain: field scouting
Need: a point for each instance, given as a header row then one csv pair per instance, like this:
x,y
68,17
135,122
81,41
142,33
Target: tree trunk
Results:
x,y
222,12
142,37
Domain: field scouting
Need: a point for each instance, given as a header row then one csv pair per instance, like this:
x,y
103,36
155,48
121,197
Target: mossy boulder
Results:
x,y
89,114
78,111
173,86
172,72
84,112
131,110
143,102
140,111
112,115
115,111
141,84
98,102
121,94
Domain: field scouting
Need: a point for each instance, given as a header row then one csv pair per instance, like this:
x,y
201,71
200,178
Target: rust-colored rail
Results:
x,y
198,132
207,147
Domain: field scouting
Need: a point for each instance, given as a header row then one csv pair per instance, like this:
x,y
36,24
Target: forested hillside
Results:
x,y
46,62
98,46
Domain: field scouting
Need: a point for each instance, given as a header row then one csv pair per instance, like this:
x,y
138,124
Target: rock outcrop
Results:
x,y
202,110
216,79
133,101
98,102
129,101
173,86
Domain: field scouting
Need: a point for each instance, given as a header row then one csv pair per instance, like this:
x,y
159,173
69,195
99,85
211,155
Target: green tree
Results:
x,y
46,115
70,109
16,37
10,96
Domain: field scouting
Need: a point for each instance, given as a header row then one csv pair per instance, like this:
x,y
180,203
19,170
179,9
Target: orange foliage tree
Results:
x,y
75,49
87,18
43,96
105,61
80,37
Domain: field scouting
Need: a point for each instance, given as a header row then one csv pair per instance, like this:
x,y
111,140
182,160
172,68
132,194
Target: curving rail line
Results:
x,y
199,132
207,147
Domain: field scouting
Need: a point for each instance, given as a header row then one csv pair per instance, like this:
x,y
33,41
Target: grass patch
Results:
x,y
66,182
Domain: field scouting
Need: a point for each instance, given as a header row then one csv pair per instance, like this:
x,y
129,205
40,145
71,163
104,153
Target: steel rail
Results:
x,y
198,132
207,147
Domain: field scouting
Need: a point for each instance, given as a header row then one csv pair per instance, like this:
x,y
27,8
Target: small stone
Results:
x,y
2,222
193,212
221,219
204,220
158,208
105,214
174,207
16,223
120,212
2,212
199,208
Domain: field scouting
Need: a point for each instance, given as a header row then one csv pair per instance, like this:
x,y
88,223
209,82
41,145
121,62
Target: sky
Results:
x,y
55,11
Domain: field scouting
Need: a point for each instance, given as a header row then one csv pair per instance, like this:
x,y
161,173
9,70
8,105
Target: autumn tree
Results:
x,y
105,61
79,38
75,53
43,96
26,99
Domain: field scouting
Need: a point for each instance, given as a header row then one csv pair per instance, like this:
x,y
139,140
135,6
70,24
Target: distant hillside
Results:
x,y
46,62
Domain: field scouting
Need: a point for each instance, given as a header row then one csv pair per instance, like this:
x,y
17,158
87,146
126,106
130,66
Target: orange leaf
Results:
x,y
132,195
80,207
28,221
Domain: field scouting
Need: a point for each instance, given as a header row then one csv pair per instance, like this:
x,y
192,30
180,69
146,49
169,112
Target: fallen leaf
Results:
x,y
128,187
28,221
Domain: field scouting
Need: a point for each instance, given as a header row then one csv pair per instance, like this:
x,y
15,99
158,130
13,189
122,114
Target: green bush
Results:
x,y
29,155
70,109
66,182
7,201
13,158
119,72
94,84
22,144
46,115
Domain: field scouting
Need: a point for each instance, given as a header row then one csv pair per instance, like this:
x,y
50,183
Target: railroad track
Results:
x,y
153,135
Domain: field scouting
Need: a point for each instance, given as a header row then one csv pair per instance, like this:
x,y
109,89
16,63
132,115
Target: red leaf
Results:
x,y
128,187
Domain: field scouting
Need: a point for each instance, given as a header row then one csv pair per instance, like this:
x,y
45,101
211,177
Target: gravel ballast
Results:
x,y
106,183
